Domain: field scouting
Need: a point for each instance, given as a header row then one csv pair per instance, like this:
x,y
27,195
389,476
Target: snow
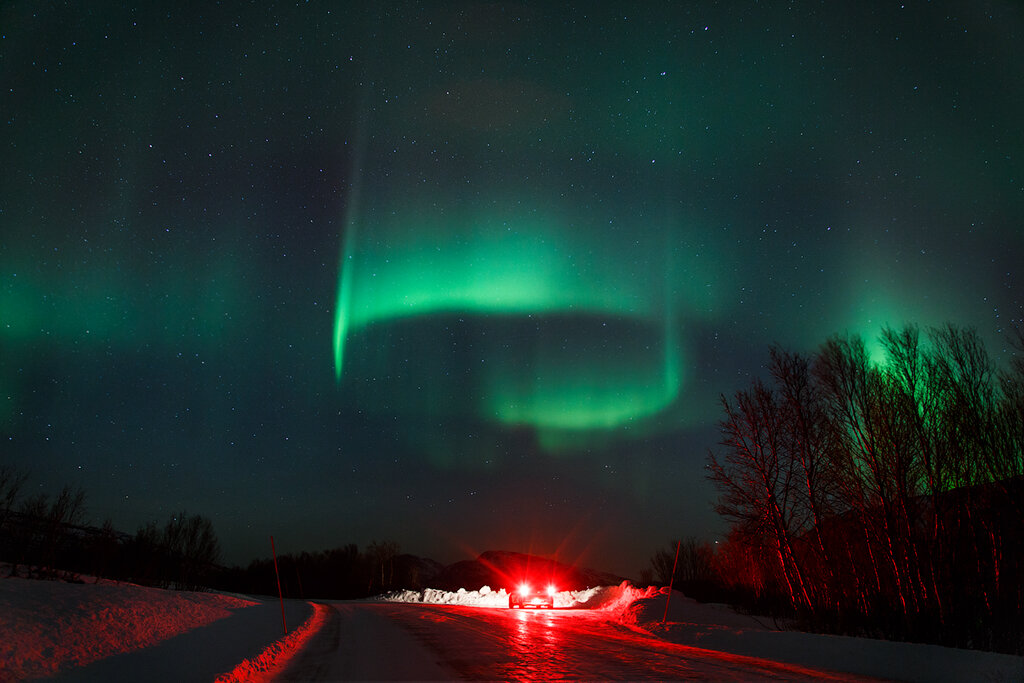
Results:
x,y
360,643
276,656
60,625
111,631
608,597
718,627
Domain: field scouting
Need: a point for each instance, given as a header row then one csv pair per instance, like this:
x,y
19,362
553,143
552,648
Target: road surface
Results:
x,y
400,641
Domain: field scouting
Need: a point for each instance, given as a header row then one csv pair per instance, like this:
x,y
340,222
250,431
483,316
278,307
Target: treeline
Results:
x,y
696,573
342,573
880,498
44,537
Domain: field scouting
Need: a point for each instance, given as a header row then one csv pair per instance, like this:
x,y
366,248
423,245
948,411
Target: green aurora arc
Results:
x,y
521,281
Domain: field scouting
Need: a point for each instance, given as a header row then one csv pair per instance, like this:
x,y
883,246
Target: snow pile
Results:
x,y
49,626
647,609
614,599
484,597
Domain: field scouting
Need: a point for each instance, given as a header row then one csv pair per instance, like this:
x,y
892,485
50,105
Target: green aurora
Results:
x,y
576,374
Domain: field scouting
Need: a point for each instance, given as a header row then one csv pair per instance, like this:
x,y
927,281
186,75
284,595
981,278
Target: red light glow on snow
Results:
x,y
536,643
273,660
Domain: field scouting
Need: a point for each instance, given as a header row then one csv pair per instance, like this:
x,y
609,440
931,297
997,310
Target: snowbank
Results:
x,y
275,657
49,626
111,632
612,598
484,597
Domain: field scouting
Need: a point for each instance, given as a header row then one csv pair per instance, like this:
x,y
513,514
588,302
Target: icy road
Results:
x,y
395,641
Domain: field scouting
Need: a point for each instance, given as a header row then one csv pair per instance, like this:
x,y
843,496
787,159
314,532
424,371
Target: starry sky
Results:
x,y
472,276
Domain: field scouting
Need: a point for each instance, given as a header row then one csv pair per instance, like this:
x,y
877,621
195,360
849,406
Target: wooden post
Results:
x,y
671,579
280,595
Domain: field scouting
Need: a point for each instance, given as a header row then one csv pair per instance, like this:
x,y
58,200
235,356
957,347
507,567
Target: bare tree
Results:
x,y
808,446
694,561
972,432
11,483
43,527
382,560
866,485
67,510
105,550
874,469
29,532
192,546
756,481
1007,461
914,412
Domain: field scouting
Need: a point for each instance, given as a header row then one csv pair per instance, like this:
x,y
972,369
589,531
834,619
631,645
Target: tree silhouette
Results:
x,y
882,495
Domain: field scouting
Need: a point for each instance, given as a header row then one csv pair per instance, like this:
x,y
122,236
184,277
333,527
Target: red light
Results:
x,y
524,589
551,590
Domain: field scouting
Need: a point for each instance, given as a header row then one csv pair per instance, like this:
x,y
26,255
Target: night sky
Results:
x,y
473,276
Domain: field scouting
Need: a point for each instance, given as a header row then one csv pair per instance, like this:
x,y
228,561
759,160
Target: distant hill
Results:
x,y
502,569
417,573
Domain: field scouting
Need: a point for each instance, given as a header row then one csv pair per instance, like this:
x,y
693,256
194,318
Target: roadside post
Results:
x,y
280,595
671,579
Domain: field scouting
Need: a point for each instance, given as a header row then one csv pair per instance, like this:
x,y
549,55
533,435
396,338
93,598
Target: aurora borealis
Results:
x,y
473,275
564,339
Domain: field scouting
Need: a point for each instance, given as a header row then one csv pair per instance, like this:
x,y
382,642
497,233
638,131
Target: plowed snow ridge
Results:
x,y
277,655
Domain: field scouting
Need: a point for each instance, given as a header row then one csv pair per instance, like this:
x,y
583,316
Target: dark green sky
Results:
x,y
466,275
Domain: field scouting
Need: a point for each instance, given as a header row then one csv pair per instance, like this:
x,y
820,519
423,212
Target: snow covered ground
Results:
x,y
108,631
718,627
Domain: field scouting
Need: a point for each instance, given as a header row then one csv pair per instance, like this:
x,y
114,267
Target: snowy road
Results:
x,y
394,641
121,632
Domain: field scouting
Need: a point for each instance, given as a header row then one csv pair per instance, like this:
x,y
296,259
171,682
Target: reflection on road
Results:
x,y
534,637
481,643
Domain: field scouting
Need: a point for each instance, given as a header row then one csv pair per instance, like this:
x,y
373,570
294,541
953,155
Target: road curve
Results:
x,y
398,641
